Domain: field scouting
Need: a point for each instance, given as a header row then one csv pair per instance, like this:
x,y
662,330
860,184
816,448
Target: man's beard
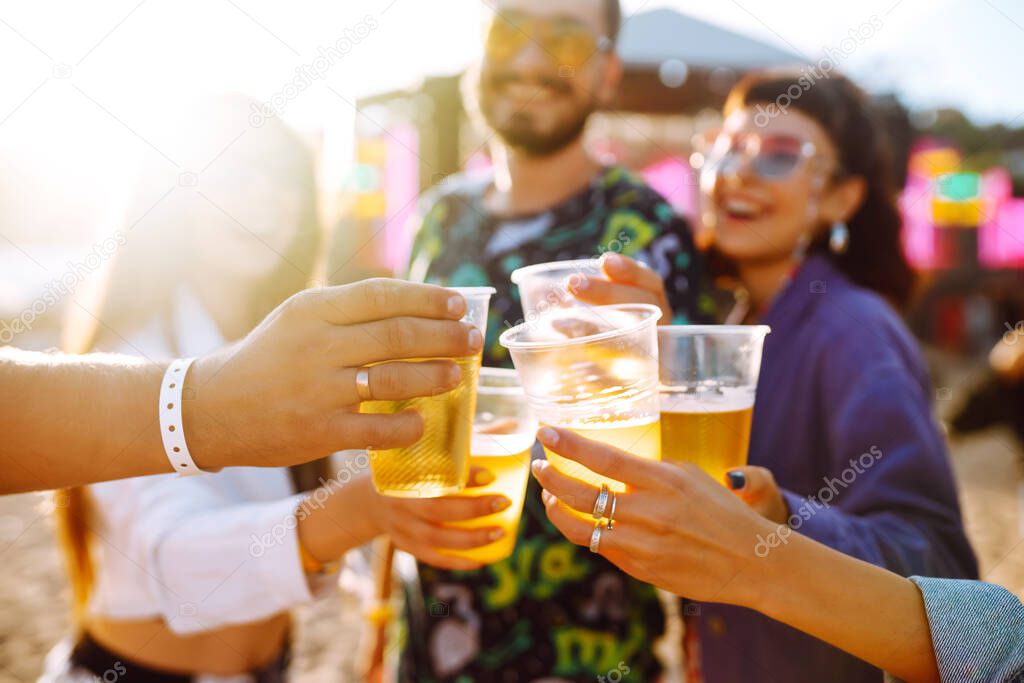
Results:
x,y
521,131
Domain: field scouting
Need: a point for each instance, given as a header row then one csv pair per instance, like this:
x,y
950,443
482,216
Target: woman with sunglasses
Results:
x,y
797,190
678,529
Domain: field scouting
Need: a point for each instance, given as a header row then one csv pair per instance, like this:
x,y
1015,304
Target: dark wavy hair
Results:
x,y
874,258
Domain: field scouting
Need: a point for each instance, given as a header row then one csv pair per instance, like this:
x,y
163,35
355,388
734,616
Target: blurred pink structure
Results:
x,y
675,180
919,232
1001,236
401,186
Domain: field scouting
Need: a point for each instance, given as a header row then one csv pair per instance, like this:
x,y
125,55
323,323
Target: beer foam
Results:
x,y
721,400
500,444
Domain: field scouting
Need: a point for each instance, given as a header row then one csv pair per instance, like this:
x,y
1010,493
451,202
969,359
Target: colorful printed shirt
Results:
x,y
553,611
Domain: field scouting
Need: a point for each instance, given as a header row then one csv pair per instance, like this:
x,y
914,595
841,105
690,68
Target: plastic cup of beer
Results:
x,y
547,287
593,369
708,382
504,431
437,464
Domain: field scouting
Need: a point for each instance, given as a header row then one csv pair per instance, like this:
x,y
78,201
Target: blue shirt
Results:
x,y
843,420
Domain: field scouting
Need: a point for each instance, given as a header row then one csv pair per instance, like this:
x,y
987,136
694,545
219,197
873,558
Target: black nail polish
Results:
x,y
737,480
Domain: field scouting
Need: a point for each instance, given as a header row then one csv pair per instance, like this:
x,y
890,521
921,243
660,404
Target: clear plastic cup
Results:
x,y
504,431
708,377
547,287
593,370
437,464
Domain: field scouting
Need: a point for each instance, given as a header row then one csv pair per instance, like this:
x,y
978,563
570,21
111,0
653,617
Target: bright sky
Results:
x,y
84,83
123,54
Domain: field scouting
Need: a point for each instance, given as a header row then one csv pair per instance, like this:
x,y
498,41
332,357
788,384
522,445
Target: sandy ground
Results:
x,y
34,599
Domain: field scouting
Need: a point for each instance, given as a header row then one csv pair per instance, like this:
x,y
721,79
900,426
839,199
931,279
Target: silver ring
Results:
x,y
611,515
363,384
601,504
595,538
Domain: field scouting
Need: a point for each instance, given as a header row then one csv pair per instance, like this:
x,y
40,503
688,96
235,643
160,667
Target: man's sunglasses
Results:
x,y
770,156
568,42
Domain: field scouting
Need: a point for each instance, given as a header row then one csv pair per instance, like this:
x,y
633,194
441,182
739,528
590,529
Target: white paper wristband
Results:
x,y
172,430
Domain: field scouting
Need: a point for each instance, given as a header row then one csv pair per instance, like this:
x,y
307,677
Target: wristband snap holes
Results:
x,y
171,419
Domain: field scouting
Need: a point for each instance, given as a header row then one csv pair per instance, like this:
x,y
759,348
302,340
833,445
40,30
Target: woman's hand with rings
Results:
x,y
675,527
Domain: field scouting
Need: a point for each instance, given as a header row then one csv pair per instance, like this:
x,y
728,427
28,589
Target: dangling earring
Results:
x,y
839,238
803,242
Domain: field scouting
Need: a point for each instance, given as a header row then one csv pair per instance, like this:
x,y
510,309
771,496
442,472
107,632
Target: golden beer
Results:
x,y
437,464
507,457
639,437
714,437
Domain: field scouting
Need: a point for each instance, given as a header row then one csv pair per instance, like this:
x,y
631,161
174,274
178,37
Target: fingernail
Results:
x,y
614,260
538,466
483,478
582,282
495,534
499,504
547,497
548,436
737,480
456,304
476,340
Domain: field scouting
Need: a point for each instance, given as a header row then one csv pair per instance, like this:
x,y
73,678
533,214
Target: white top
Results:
x,y
199,552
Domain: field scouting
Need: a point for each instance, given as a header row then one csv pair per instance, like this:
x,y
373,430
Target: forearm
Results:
x,y
867,611
343,522
69,420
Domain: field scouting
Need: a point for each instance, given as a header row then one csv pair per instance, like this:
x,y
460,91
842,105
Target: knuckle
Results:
x,y
296,303
433,536
580,537
482,506
431,509
387,381
613,467
679,477
409,428
374,433
380,294
457,334
397,336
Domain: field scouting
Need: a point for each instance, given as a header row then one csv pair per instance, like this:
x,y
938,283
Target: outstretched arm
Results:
x,y
680,530
285,394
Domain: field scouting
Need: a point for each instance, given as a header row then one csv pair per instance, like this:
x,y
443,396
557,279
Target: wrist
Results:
x,y
762,565
198,406
346,520
368,504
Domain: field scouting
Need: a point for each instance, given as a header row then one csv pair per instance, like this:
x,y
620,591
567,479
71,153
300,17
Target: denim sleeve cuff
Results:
x,y
977,629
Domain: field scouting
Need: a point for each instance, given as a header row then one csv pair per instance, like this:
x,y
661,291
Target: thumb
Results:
x,y
756,487
751,484
625,270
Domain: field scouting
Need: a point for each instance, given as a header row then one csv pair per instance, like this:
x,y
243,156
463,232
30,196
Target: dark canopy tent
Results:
x,y
711,58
